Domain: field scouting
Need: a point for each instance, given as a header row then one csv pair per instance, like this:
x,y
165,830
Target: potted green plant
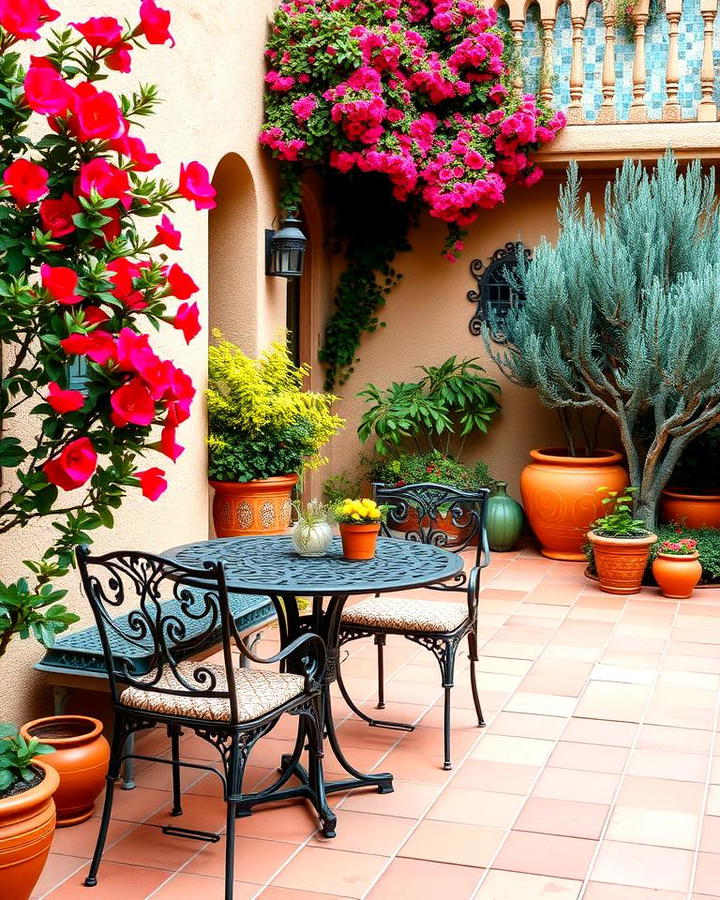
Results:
x,y
264,429
359,522
312,534
677,568
27,811
692,496
621,544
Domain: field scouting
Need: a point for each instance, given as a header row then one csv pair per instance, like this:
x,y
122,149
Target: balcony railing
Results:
x,y
656,66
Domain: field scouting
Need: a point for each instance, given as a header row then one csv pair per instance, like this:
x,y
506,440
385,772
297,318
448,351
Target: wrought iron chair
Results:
x,y
229,707
417,513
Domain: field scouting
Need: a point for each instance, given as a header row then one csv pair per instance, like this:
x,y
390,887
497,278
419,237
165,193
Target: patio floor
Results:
x,y
596,776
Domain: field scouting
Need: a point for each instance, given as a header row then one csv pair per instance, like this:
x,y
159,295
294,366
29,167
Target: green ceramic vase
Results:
x,y
504,519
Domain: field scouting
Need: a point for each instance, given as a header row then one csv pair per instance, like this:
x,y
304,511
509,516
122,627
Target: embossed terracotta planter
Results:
x,y
359,541
81,760
621,562
560,496
677,576
690,510
27,826
253,507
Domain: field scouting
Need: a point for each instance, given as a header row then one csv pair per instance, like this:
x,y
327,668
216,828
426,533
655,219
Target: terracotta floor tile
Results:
x,y
545,854
685,740
597,891
80,839
637,865
563,817
518,750
600,731
115,880
542,704
202,812
463,845
410,765
331,871
569,784
408,800
421,878
707,874
476,807
713,800
660,828
57,868
256,861
367,833
190,887
656,763
501,885
528,725
507,778
148,846
710,838
660,793
588,757
278,893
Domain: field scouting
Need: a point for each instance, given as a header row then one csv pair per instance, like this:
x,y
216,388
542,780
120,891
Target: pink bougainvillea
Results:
x,y
420,92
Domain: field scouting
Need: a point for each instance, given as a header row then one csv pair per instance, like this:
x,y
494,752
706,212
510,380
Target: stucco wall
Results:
x,y
211,85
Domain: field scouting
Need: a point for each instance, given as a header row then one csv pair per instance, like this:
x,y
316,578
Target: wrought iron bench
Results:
x,y
76,660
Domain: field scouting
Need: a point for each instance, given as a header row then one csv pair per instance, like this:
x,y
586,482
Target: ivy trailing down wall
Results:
x,y
405,106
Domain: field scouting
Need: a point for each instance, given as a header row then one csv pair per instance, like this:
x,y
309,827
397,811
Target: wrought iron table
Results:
x,y
270,566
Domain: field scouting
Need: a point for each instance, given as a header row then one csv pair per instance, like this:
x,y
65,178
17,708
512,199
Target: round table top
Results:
x,y
270,565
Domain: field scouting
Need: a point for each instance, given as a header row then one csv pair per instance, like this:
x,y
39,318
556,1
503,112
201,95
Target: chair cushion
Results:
x,y
258,692
406,613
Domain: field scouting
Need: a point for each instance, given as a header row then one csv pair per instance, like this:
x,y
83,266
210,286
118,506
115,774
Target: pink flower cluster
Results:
x,y
420,91
681,547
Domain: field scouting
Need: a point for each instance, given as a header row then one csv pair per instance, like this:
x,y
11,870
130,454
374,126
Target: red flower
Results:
x,y
46,91
168,445
167,234
23,18
133,350
97,116
119,60
26,181
100,31
152,482
75,464
56,215
179,397
105,178
154,23
60,282
132,404
123,271
155,372
195,185
99,346
142,159
180,283
93,315
64,401
110,229
187,320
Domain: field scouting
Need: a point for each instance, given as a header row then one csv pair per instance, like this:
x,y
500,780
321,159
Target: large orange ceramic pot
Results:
x,y
621,562
560,496
690,510
677,575
81,760
262,506
27,825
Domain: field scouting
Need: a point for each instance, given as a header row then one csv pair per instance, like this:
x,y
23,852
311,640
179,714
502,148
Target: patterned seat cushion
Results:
x,y
258,692
406,613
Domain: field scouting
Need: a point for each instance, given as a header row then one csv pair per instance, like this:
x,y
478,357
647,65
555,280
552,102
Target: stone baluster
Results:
x,y
547,24
576,113
606,112
707,108
517,26
671,108
638,107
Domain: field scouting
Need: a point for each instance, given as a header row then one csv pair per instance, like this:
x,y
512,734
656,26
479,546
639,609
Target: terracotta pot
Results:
x,y
690,510
621,562
27,826
244,508
442,523
560,496
358,541
677,575
81,760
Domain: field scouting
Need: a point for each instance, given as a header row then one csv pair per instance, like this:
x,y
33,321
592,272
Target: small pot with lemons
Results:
x,y
359,522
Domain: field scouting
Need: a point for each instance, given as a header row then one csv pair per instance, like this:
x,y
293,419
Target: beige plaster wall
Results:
x,y
211,85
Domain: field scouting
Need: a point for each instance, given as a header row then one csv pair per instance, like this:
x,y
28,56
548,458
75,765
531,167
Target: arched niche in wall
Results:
x,y
232,253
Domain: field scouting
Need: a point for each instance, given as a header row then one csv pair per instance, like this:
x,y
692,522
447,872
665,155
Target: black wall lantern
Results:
x,y
285,249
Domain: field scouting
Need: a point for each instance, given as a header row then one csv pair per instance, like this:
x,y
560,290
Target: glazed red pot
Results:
x,y
560,496
621,562
27,826
690,510
262,506
677,575
81,760
359,540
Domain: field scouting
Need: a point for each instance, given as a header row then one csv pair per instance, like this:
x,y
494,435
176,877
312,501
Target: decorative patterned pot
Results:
x,y
27,826
621,562
504,519
444,523
677,575
81,760
359,541
690,510
560,496
311,540
261,506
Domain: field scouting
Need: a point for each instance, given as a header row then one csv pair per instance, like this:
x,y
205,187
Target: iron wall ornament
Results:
x,y
494,294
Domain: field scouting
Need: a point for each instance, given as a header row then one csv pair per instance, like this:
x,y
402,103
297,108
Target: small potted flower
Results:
x,y
621,544
311,534
359,522
677,568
